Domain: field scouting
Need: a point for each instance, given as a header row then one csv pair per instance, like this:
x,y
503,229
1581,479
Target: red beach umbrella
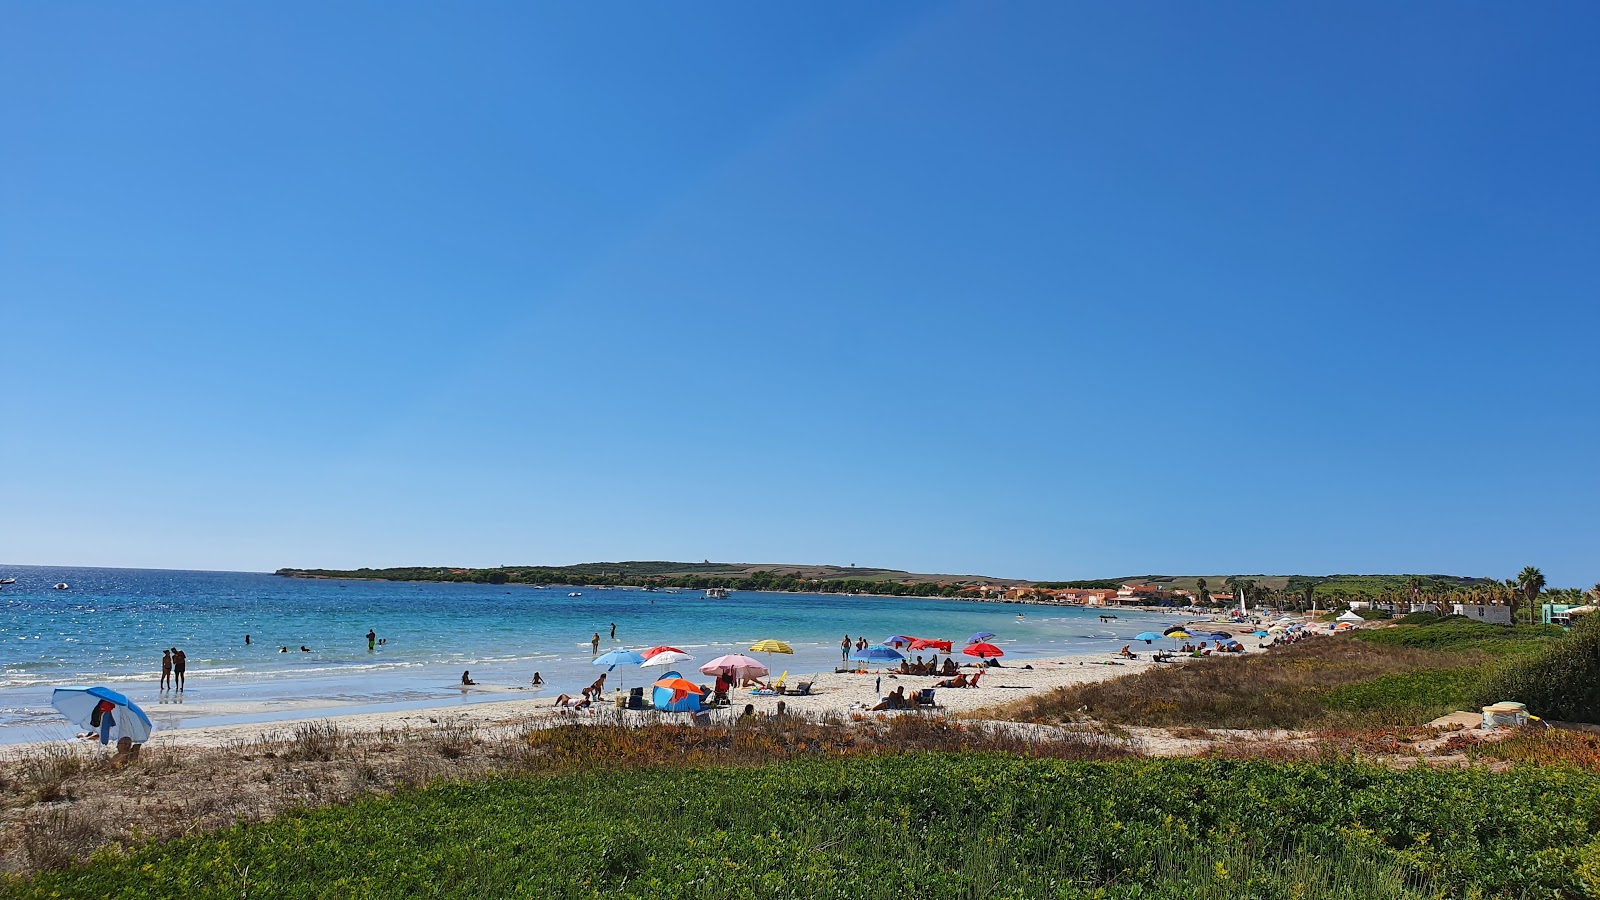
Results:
x,y
654,650
925,643
983,651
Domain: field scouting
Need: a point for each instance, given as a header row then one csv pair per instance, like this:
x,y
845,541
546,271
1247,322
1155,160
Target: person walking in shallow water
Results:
x,y
844,649
613,631
372,640
180,664
594,643
166,669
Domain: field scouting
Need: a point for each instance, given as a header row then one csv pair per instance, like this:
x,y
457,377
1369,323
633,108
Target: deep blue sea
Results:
x,y
110,626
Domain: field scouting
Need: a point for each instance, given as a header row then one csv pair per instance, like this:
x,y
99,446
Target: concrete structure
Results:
x,y
1493,613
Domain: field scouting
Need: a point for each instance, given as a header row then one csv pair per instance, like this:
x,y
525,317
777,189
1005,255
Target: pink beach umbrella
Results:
x,y
740,667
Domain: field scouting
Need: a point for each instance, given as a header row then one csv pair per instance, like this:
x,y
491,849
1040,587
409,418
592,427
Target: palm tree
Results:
x,y
1531,581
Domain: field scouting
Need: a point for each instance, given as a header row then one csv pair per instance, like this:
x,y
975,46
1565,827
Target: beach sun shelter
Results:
x,y
735,666
980,637
770,646
1147,636
86,708
674,693
877,653
984,651
619,658
666,658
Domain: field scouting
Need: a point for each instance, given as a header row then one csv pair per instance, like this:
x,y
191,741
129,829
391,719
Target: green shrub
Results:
x,y
1460,633
920,825
1561,681
1410,697
1418,618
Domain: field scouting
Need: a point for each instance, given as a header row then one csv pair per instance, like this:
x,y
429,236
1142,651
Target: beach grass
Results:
x,y
1398,676
925,824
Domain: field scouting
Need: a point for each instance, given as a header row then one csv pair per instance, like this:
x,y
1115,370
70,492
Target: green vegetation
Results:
x,y
690,576
1402,676
1460,634
919,825
1559,680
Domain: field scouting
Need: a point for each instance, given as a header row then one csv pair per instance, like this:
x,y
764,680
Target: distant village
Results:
x,y
1126,595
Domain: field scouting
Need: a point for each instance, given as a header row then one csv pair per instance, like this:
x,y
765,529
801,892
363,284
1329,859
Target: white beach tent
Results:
x,y
1349,615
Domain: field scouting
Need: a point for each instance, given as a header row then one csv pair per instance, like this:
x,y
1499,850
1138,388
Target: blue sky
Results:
x,y
1042,290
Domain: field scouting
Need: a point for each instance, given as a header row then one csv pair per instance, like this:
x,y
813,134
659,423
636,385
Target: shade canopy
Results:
x,y
770,646
619,658
894,639
1179,635
1147,636
926,643
667,658
984,651
877,653
679,699
78,705
734,664
651,653
980,637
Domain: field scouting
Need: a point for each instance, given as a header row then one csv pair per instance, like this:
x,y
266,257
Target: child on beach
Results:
x,y
166,669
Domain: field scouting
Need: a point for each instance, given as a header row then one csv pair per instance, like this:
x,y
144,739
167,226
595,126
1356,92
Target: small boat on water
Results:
x,y
716,594
8,581
61,585
576,594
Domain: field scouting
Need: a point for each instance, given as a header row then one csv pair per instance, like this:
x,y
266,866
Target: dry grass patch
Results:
x,y
1285,688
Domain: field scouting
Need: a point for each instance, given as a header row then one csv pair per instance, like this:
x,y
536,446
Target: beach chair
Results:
x,y
925,697
803,689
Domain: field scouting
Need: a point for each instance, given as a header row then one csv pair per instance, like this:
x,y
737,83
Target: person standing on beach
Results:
x,y
844,649
180,663
372,640
594,642
166,669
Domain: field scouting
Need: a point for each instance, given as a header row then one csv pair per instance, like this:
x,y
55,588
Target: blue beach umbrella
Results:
x,y
1220,636
980,637
898,639
1147,636
619,658
1259,633
127,719
616,658
877,653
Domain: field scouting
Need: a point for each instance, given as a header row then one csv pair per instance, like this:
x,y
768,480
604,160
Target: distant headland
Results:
x,y
852,579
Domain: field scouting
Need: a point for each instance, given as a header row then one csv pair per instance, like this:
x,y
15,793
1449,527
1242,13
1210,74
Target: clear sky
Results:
x,y
1045,290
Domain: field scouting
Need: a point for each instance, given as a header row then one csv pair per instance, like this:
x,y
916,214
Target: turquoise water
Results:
x,y
111,625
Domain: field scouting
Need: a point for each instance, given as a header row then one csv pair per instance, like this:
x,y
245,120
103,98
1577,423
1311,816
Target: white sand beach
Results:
x,y
832,694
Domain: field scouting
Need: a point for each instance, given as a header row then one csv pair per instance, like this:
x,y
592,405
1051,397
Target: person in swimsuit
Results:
x,y
166,669
372,640
180,664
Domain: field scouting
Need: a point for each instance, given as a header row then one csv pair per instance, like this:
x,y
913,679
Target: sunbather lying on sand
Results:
x,y
571,702
958,681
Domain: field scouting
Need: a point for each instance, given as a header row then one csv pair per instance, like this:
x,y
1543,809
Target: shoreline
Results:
x,y
834,694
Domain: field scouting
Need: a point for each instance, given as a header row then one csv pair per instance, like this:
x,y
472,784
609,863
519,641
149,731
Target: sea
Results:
x,y
109,626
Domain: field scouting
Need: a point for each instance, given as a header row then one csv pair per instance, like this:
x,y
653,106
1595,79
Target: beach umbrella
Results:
x,y
1171,628
770,646
127,719
1147,636
667,658
1259,633
619,658
980,637
680,687
877,653
1179,635
925,643
1220,636
740,667
650,654
984,651
897,639
615,658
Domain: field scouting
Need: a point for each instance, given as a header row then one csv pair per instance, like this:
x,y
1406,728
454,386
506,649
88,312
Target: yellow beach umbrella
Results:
x,y
770,646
